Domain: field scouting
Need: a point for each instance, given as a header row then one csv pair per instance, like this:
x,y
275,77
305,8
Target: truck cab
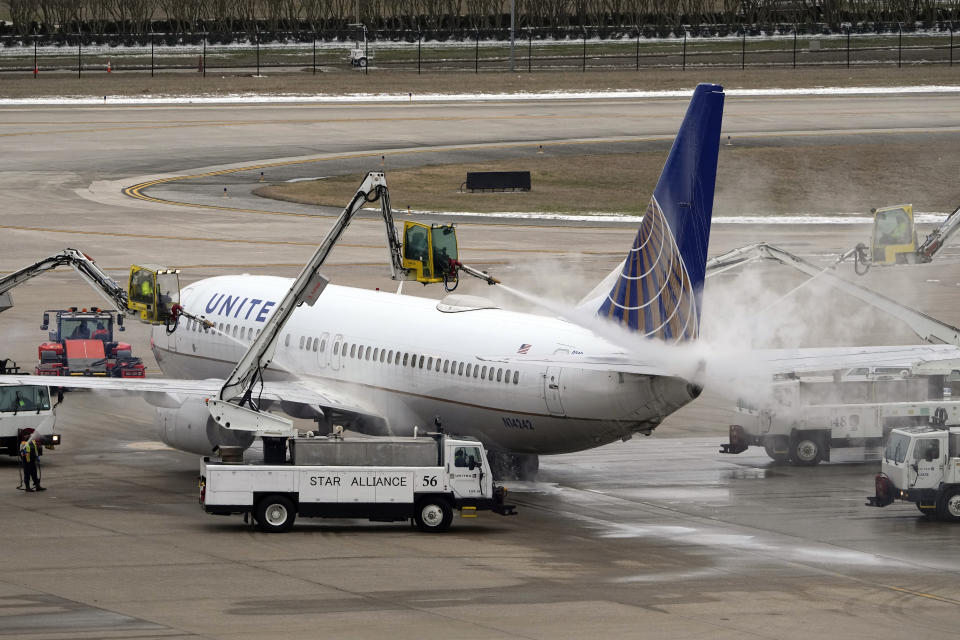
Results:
x,y
26,408
921,464
82,344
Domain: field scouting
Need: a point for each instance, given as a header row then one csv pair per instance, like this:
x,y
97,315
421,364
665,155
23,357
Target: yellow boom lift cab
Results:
x,y
894,235
153,292
430,252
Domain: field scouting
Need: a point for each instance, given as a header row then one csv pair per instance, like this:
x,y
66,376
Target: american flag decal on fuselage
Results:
x,y
653,295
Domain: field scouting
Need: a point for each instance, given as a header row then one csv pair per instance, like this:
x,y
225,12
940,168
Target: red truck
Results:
x,y
83,345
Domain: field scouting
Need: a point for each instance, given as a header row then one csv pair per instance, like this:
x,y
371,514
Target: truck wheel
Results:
x,y
781,456
362,63
806,451
949,506
275,514
433,515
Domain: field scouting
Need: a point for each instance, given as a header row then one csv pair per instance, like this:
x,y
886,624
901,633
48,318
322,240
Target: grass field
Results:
x,y
99,83
750,180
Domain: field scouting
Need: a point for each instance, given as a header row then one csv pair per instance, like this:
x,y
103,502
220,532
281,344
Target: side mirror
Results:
x,y
46,322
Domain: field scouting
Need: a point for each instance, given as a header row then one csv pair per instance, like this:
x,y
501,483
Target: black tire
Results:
x,y
806,451
275,514
948,508
362,63
776,457
433,515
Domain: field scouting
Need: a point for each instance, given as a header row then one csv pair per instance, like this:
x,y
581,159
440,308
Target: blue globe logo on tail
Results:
x,y
660,287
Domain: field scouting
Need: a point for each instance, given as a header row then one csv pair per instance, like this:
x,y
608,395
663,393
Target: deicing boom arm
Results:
x,y
82,263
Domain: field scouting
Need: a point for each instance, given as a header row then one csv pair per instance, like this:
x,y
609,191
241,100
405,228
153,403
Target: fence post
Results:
x,y
743,50
951,44
366,51
584,51
151,55
314,53
36,69
79,54
900,46
257,36
684,50
530,50
476,55
638,48
419,41
794,46
848,47
205,55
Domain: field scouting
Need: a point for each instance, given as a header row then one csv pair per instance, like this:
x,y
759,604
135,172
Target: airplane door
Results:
x,y
335,354
323,351
551,390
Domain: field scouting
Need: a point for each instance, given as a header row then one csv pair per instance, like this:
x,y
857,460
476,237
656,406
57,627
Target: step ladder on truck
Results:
x,y
423,479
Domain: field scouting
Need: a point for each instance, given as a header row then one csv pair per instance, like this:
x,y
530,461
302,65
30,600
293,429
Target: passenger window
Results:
x,y
353,351
516,377
429,363
491,374
460,370
376,352
309,343
438,365
286,341
383,355
421,362
446,365
258,332
404,359
359,352
483,372
323,345
390,357
499,374
316,346
250,333
506,377
367,356
301,341
220,328
336,348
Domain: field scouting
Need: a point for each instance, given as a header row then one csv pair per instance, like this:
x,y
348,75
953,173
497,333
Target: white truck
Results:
x,y
921,465
26,408
807,416
381,479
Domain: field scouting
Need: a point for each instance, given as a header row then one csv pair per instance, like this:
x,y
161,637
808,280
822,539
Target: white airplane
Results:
x,y
523,384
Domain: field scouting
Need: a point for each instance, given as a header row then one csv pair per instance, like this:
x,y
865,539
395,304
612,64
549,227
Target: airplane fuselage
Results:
x,y
407,360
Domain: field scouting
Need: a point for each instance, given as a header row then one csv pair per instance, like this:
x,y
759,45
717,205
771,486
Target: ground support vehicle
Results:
x,y
421,479
82,344
809,415
26,408
921,465
894,239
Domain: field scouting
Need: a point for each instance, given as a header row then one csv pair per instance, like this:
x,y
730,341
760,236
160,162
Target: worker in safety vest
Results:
x,y
29,451
146,289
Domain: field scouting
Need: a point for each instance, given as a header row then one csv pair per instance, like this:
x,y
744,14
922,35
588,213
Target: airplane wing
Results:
x,y
761,362
287,391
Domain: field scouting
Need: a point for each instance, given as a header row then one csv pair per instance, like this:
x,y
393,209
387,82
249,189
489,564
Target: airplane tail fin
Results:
x,y
659,289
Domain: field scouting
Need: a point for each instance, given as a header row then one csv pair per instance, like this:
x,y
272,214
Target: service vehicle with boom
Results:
x,y
422,479
82,343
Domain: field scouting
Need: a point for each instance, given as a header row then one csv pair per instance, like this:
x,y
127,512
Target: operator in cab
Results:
x,y
81,332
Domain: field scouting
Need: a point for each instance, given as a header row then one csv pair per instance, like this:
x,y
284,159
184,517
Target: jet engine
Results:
x,y
189,427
